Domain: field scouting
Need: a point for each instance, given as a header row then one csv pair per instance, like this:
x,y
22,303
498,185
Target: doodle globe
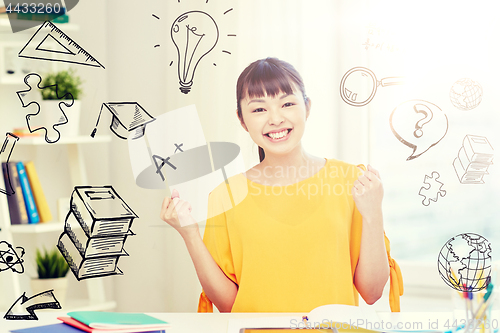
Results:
x,y
464,262
466,94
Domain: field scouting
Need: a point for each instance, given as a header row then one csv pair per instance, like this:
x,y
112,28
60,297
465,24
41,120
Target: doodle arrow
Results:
x,y
44,300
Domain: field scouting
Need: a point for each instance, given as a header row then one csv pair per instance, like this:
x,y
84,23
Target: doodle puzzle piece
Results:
x,y
10,259
432,189
46,119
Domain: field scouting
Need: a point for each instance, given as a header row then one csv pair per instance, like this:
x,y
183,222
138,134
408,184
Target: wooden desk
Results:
x,y
218,322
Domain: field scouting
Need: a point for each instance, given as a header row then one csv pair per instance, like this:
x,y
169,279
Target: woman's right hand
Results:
x,y
220,289
177,213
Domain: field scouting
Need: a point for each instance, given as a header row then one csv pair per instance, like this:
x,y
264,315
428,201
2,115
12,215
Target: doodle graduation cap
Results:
x,y
128,119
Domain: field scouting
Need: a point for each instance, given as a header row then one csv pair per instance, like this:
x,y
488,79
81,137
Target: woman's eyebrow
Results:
x,y
286,95
256,101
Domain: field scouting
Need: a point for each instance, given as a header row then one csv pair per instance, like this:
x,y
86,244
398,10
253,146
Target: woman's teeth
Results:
x,y
278,135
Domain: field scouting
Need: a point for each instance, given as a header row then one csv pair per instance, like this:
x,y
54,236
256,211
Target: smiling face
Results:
x,y
275,123
272,105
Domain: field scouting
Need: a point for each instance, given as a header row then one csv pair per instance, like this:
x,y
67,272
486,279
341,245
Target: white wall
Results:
x,y
51,161
159,275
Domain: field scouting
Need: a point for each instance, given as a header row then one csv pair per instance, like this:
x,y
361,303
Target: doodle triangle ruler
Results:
x,y
49,40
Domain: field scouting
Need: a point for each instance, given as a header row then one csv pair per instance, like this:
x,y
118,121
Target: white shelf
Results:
x,y
74,140
5,26
12,80
95,287
37,228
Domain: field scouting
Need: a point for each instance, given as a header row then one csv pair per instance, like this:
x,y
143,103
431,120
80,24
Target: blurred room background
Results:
x,y
431,44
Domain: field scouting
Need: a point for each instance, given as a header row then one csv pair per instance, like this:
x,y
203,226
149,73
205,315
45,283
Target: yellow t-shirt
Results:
x,y
288,248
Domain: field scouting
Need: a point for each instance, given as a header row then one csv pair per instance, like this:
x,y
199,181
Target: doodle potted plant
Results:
x,y
52,269
60,89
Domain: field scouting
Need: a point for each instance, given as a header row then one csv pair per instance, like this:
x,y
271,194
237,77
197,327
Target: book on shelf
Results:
x,y
17,208
36,187
29,200
28,197
43,17
25,132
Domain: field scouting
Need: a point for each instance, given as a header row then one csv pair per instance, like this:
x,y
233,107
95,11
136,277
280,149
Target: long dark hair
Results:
x,y
267,76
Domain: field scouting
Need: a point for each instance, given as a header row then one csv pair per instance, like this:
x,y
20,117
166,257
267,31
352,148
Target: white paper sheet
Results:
x,y
173,153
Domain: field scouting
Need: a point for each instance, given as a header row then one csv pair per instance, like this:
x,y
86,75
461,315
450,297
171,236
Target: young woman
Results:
x,y
309,232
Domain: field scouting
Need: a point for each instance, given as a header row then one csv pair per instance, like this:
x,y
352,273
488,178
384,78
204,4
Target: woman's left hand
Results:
x,y
367,193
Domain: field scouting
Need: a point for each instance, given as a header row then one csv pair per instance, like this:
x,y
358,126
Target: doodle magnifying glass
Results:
x,y
359,85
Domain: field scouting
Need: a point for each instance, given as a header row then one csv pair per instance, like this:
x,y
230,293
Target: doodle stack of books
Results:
x,y
474,158
95,231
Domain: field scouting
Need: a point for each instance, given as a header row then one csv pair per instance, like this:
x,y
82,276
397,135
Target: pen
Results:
x,y
470,297
463,294
481,286
468,305
488,280
480,313
455,281
482,308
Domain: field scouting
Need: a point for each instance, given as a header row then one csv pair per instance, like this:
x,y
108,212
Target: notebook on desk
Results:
x,y
62,328
284,330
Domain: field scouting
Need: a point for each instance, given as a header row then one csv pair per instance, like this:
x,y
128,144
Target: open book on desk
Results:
x,y
345,318
326,314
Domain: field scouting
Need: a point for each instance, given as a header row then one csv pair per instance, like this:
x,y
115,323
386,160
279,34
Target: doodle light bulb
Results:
x,y
194,34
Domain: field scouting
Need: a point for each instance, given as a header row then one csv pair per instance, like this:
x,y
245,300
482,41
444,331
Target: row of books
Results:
x,y
25,132
44,17
27,202
36,14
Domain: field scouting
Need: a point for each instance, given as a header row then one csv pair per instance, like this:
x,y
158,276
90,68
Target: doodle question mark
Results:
x,y
407,125
424,109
